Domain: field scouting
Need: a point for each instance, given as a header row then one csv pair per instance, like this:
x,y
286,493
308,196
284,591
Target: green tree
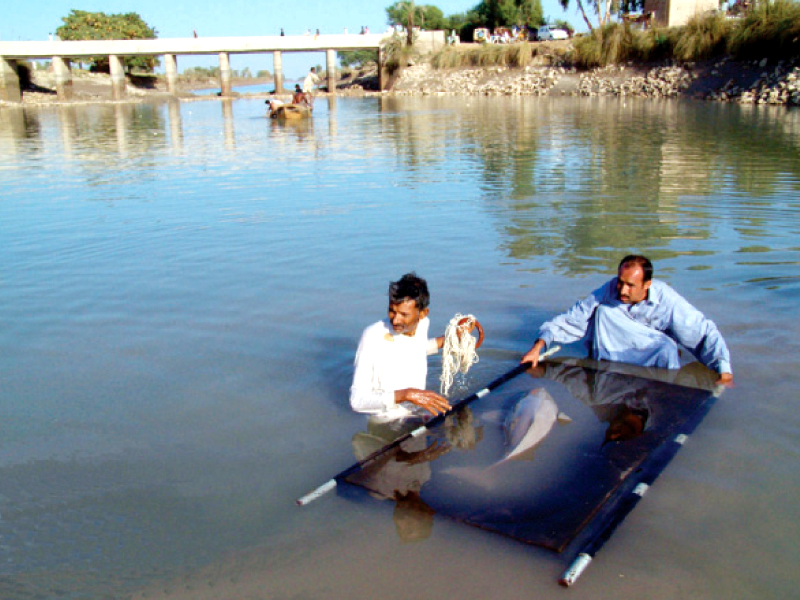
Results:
x,y
357,58
408,14
494,13
83,25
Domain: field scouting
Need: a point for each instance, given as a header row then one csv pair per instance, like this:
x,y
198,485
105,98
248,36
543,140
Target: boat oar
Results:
x,y
648,474
333,482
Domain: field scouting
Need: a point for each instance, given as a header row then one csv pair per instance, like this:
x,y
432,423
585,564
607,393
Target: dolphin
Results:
x,y
526,425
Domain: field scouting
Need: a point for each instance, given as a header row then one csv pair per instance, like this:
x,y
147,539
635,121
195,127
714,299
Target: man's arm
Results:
x,y
569,326
700,335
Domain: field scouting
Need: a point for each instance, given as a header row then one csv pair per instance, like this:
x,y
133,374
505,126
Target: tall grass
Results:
x,y
770,30
703,36
614,43
485,55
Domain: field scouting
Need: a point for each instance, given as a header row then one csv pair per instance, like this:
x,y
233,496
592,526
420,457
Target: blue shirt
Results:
x,y
663,310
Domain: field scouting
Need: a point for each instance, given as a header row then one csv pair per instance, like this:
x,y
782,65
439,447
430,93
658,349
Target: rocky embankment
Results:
x,y
754,82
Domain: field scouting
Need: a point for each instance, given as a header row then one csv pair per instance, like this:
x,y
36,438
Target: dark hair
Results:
x,y
643,262
410,287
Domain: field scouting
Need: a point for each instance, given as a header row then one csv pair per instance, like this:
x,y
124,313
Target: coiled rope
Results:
x,y
459,349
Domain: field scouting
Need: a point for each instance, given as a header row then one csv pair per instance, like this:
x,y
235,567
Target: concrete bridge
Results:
x,y
62,52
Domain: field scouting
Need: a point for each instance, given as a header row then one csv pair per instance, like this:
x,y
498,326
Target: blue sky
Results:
x,y
35,20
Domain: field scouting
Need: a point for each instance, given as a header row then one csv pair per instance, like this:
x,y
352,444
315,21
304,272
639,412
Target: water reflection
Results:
x,y
401,475
558,175
227,116
175,125
184,283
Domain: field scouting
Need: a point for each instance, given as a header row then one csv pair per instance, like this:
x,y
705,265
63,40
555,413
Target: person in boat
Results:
x,y
299,96
636,319
273,104
391,363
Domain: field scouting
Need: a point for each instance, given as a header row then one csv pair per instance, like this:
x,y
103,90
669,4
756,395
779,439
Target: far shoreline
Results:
x,y
722,80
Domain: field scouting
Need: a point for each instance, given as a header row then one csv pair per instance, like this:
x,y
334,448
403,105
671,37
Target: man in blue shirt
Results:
x,y
638,320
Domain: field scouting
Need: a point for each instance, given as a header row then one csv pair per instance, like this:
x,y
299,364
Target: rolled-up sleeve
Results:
x,y
698,334
573,324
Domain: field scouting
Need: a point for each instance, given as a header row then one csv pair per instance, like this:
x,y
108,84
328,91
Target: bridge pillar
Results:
x,y
225,74
9,81
171,71
63,78
330,69
117,77
277,70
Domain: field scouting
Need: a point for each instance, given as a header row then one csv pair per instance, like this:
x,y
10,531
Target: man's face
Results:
x,y
631,287
405,316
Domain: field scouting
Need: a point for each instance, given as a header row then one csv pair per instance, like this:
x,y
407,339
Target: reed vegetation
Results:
x,y
769,30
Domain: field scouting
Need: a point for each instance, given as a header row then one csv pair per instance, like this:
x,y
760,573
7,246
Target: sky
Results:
x,y
180,18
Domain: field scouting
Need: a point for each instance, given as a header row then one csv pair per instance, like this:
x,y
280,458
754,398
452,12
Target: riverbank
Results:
x,y
725,80
747,82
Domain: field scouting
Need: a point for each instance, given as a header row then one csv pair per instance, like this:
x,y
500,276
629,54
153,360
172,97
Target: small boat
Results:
x,y
291,111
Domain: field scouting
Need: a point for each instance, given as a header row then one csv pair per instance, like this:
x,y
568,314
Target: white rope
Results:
x,y
458,355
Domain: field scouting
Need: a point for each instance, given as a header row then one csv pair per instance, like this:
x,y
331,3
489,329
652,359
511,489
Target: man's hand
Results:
x,y
532,355
725,379
430,401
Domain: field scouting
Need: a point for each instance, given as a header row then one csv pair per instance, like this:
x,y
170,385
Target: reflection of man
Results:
x,y
399,475
629,398
391,363
636,319
616,398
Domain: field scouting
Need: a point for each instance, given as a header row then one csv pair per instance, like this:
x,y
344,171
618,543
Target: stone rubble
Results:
x,y
779,84
660,82
484,81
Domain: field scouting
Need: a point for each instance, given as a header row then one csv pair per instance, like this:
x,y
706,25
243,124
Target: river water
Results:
x,y
182,287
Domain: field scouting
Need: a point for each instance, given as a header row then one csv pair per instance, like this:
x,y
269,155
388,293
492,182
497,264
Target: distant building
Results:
x,y
673,13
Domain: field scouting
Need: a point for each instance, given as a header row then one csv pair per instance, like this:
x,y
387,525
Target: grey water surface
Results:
x,y
182,287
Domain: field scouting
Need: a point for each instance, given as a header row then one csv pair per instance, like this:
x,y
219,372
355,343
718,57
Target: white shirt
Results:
x,y
309,82
387,362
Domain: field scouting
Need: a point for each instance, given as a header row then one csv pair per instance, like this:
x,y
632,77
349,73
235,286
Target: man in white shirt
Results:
x,y
391,363
310,81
